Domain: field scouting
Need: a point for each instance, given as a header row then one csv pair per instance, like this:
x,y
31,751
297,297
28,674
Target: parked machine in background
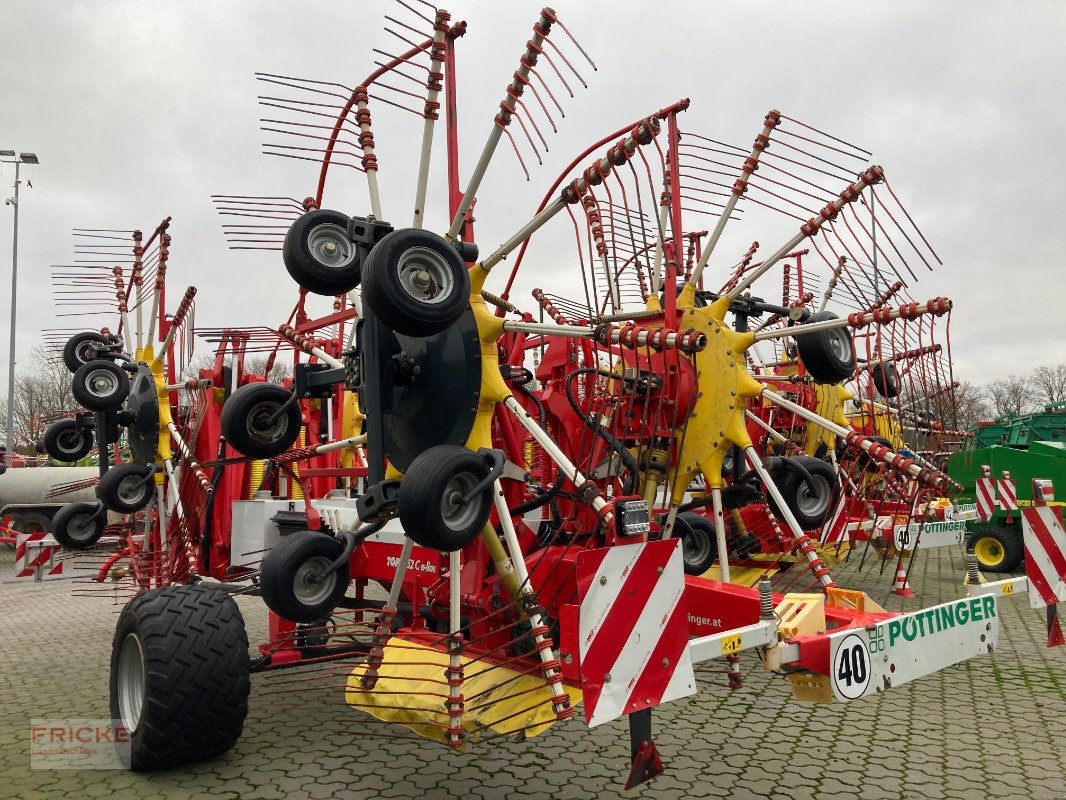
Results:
x,y
30,497
1022,448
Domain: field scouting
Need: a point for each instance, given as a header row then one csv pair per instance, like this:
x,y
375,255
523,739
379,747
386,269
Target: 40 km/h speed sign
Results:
x,y
900,649
851,667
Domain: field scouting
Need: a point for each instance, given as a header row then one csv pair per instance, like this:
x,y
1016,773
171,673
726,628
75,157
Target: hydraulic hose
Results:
x,y
599,430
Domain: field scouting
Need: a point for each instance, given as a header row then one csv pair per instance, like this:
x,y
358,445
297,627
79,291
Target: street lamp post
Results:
x,y
23,158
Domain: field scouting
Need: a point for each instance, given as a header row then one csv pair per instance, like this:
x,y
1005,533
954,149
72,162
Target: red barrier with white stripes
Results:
x,y
986,494
1008,493
35,556
633,629
1045,548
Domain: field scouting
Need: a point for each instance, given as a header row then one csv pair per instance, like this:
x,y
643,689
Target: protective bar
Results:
x,y
601,506
937,306
507,107
179,317
811,227
549,665
751,163
619,154
307,345
440,31
801,538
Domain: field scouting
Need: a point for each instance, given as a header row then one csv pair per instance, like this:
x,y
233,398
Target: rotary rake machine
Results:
x,y
154,416
625,253
125,381
503,511
902,372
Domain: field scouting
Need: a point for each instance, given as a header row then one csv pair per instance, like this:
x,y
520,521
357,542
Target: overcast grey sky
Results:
x,y
140,110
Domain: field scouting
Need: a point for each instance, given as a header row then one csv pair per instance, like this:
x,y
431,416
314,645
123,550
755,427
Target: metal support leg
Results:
x,y
456,735
719,532
646,762
384,628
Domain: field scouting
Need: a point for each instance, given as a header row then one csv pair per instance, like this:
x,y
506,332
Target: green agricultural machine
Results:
x,y
1027,446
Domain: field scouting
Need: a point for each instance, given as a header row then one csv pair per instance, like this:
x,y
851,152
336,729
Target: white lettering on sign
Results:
x,y
910,646
937,619
933,534
415,564
704,622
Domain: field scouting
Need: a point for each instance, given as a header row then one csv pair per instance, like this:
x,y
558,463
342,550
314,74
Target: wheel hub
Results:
x,y
131,490
839,343
425,275
131,682
989,551
456,514
261,427
814,503
69,440
330,246
695,546
81,527
312,584
101,383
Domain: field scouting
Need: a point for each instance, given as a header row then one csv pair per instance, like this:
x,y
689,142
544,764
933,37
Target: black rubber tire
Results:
x,y
829,356
286,570
245,412
126,488
31,522
885,378
699,542
417,254
810,511
100,385
79,349
307,261
426,500
926,417
78,526
863,460
700,302
64,442
997,549
194,661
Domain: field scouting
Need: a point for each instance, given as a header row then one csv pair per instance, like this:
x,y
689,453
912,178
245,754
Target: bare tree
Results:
x,y
1049,383
962,409
254,364
281,368
1012,395
41,392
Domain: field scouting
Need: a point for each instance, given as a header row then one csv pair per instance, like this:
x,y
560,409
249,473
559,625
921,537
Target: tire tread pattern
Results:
x,y
197,674
1013,547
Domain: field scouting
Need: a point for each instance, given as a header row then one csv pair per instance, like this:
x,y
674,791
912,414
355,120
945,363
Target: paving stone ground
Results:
x,y
994,727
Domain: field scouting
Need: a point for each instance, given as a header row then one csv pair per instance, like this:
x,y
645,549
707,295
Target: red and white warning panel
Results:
x,y
986,494
1008,492
1044,540
1045,548
36,556
633,629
